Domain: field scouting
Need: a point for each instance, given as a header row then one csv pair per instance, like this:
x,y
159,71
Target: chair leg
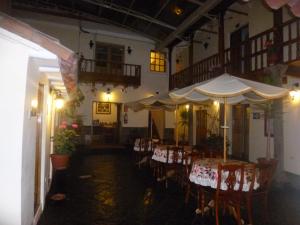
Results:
x,y
217,211
266,212
249,209
238,215
188,192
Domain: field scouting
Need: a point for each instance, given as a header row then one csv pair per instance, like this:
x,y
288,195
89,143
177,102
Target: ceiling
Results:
x,y
165,21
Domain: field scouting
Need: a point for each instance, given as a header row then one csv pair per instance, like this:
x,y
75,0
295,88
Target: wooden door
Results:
x,y
240,51
201,126
240,132
37,180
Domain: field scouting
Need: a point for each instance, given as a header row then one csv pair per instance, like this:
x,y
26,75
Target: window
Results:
x,y
109,58
157,61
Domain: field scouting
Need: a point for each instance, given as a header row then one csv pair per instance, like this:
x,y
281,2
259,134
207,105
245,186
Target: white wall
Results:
x,y
68,34
18,87
291,128
12,92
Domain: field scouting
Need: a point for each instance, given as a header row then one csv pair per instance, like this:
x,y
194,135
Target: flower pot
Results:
x,y
59,161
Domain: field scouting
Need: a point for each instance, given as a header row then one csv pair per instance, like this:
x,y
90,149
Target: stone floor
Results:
x,y
107,189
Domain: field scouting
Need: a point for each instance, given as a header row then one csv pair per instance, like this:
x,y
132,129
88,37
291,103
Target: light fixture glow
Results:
x,y
187,107
216,103
107,95
59,102
295,95
34,103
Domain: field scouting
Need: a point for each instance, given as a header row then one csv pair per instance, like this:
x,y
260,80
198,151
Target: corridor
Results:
x,y
108,189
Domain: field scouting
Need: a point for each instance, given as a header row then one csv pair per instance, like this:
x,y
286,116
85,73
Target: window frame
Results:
x,y
158,64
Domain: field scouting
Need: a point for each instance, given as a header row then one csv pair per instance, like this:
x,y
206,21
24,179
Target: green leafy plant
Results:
x,y
76,99
64,141
216,142
184,122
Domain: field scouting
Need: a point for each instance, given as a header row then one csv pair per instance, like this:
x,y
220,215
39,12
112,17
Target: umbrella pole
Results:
x,y
151,126
176,124
225,132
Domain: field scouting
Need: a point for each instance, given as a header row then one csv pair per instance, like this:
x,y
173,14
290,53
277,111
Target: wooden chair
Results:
x,y
142,152
250,176
266,170
188,160
173,161
233,195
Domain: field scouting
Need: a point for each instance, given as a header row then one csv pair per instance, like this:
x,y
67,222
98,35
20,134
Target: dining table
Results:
x,y
204,172
141,147
160,154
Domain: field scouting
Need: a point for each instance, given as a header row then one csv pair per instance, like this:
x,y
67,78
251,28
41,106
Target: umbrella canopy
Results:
x,y
231,90
160,101
234,89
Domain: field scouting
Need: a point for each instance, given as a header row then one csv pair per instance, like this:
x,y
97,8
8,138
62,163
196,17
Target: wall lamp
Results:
x,y
187,107
59,101
34,107
108,95
295,93
129,50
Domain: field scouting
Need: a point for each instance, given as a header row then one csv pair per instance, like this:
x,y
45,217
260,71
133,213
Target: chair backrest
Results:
x,y
176,152
266,170
250,175
189,159
143,144
232,175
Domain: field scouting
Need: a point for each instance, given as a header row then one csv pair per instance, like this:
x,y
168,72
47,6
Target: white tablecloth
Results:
x,y
160,155
205,173
142,148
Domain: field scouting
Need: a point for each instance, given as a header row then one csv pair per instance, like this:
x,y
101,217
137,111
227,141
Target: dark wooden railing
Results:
x,y
95,71
253,56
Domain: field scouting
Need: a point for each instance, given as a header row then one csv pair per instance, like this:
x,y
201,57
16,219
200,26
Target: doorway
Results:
x,y
240,132
201,126
37,175
106,122
240,51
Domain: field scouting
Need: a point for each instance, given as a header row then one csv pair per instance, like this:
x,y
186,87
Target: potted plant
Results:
x,y
184,123
64,145
216,142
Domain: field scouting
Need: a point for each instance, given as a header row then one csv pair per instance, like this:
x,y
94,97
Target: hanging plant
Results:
x,y
76,99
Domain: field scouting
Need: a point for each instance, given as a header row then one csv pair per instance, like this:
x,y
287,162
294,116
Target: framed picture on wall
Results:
x,y
103,108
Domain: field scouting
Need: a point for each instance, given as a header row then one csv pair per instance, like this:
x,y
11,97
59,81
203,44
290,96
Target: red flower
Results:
x,y
63,126
75,125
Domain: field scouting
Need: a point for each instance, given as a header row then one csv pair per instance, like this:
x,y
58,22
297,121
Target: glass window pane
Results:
x,y
152,67
162,69
152,54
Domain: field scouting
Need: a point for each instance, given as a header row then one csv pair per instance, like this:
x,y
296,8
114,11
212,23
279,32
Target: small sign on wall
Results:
x,y
256,115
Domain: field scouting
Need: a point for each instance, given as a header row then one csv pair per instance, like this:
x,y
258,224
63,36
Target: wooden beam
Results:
x,y
193,18
77,15
278,33
221,42
237,12
130,12
207,31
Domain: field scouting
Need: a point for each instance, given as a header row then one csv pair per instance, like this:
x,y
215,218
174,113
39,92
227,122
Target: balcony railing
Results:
x,y
248,59
96,71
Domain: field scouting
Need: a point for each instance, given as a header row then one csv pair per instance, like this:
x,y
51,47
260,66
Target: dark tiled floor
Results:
x,y
118,193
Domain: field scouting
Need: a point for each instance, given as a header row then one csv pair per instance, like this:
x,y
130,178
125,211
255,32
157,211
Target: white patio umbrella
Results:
x,y
230,90
156,102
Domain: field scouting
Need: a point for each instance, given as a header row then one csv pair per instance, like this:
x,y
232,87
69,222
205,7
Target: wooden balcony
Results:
x,y
94,71
249,58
